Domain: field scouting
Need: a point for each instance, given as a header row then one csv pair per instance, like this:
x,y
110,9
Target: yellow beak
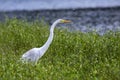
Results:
x,y
66,21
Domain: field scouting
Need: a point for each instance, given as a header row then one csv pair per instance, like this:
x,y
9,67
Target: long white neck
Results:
x,y
50,38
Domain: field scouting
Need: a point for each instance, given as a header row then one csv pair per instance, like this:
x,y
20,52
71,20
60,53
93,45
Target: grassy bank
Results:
x,y
71,56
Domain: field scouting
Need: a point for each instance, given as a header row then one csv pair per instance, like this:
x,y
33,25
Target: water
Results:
x,y
9,5
84,19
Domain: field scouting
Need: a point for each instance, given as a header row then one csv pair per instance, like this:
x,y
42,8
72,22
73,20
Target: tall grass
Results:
x,y
71,56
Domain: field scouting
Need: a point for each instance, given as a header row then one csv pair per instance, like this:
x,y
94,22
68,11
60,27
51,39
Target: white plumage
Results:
x,y
34,54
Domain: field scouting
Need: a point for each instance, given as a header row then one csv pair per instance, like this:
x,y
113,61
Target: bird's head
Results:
x,y
63,21
60,21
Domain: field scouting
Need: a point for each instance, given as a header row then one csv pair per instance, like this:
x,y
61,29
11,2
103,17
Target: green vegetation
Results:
x,y
71,56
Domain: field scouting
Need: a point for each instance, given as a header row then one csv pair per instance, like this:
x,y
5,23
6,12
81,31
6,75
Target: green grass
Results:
x,y
71,56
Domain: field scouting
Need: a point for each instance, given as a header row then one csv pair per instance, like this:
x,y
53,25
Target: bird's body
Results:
x,y
34,54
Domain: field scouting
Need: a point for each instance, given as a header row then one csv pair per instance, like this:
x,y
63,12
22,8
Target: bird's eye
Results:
x,y
29,60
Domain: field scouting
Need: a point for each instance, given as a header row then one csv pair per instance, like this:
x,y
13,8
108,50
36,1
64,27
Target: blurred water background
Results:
x,y
87,15
8,5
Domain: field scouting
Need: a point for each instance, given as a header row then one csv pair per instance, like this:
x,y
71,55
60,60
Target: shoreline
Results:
x,y
67,9
99,19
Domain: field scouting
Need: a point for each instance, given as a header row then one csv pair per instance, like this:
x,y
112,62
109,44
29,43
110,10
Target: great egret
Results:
x,y
34,54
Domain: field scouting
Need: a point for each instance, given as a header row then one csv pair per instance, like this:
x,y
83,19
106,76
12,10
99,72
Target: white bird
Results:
x,y
34,54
